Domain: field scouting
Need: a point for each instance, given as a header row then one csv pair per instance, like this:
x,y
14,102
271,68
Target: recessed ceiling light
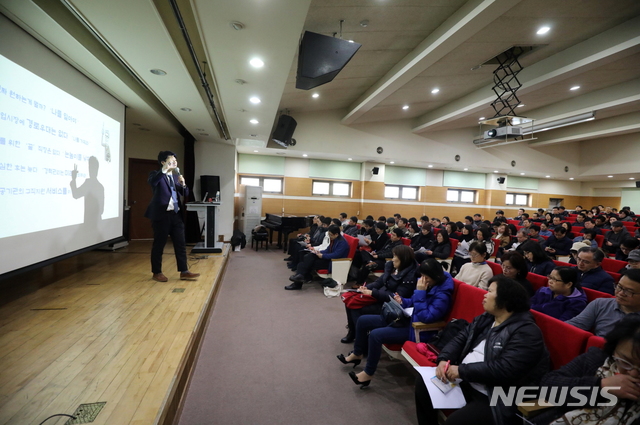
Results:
x,y
350,41
609,176
522,174
254,99
430,166
495,171
632,178
548,177
158,72
405,107
434,91
543,30
186,109
520,105
391,162
256,63
349,159
255,151
466,169
570,178
315,95
482,118
254,121
304,154
238,26
574,88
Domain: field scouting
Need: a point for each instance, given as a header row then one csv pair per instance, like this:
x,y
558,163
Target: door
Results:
x,y
139,197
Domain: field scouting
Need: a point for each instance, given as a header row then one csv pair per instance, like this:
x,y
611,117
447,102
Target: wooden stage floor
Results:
x,y
105,332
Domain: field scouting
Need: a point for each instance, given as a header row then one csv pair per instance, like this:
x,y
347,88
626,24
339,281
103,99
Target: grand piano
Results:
x,y
285,225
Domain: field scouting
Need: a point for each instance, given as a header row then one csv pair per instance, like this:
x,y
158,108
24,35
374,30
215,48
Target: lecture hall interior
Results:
x,y
210,81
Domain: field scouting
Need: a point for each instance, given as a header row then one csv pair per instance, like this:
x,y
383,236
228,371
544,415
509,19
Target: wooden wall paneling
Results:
x,y
433,194
373,190
296,186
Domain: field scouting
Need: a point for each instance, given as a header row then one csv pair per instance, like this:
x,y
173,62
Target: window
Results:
x,y
269,184
409,193
331,188
517,199
457,195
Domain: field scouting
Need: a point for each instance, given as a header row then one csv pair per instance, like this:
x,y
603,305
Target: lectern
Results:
x,y
210,243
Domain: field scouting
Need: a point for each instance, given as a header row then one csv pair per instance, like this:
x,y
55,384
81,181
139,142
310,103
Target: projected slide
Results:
x,y
59,157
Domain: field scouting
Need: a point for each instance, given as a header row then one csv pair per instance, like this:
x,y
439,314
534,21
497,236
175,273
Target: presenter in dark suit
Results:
x,y
167,184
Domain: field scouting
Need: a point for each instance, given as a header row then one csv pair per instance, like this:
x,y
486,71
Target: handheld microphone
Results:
x,y
177,170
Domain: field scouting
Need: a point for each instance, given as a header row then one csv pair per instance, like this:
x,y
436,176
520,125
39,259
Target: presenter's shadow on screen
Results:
x,y
93,193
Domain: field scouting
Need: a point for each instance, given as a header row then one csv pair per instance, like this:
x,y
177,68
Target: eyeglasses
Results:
x,y
625,365
626,292
553,278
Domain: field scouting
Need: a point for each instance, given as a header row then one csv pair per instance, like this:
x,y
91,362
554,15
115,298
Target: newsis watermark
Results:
x,y
554,396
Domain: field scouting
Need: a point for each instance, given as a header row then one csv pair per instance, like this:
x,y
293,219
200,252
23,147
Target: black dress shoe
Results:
x,y
298,278
351,336
293,286
288,259
355,362
354,378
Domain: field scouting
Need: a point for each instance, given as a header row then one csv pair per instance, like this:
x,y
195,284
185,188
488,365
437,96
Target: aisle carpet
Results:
x,y
269,357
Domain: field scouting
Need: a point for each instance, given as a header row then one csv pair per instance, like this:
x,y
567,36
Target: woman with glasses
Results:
x,y
538,261
616,366
477,272
514,267
563,298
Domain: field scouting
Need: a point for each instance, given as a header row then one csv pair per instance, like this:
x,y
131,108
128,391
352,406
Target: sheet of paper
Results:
x,y
454,399
363,241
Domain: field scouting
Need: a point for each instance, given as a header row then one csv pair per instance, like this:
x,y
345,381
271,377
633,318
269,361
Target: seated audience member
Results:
x,y
383,219
534,234
450,228
499,218
615,367
461,256
557,221
589,224
402,225
375,260
400,275
601,222
563,212
397,217
602,314
477,272
612,219
391,224
468,220
504,236
548,217
423,220
568,227
522,239
344,221
440,250
563,298
430,301
590,274
544,230
379,240
367,228
626,247
558,243
579,220
520,214
298,251
477,220
574,251
445,220
633,261
614,238
459,226
526,223
351,228
538,261
589,237
624,216
413,229
578,209
436,223
423,240
483,234
535,217
338,248
514,266
502,347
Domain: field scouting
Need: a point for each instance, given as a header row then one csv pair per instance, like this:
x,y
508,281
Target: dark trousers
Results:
x,y
458,262
477,410
353,314
311,262
378,333
167,224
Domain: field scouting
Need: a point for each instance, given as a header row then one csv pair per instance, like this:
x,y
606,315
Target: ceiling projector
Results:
x,y
503,132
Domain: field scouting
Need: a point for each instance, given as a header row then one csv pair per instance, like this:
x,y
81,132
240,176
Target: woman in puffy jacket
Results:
x,y
502,347
563,298
430,301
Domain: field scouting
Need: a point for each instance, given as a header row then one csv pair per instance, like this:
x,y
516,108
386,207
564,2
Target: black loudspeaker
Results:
x,y
638,184
283,132
321,58
375,171
501,180
210,185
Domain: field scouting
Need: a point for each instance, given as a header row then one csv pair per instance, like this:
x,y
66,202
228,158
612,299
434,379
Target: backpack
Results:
x,y
238,238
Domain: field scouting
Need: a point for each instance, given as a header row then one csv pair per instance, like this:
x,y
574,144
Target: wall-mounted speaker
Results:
x,y
501,180
283,132
638,184
375,171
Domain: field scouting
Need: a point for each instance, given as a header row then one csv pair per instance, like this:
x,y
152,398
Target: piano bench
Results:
x,y
259,239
